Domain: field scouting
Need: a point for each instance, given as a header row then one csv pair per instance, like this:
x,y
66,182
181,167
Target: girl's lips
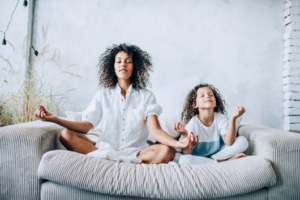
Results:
x,y
123,70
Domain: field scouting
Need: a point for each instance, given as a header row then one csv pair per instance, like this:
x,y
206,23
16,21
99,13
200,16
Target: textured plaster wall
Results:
x,y
12,73
235,45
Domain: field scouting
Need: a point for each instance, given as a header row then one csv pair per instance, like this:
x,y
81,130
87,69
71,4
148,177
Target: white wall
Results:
x,y
235,45
11,77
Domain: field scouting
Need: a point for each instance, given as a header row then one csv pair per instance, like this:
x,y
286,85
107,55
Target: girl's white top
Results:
x,y
210,138
124,130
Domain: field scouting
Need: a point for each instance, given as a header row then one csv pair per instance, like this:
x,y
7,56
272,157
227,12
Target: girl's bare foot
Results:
x,y
239,155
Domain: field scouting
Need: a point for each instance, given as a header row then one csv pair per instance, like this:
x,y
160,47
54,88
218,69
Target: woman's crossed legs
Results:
x,y
80,143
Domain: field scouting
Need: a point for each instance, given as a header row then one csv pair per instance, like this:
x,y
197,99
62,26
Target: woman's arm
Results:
x,y
229,137
178,127
82,127
161,136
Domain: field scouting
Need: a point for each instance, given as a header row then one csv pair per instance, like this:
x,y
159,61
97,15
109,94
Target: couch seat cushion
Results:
x,y
166,181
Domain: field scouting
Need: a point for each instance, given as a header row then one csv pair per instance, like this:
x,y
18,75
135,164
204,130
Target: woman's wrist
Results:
x,y
55,120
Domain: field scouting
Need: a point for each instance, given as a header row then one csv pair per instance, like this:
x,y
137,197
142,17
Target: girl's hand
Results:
x,y
189,142
178,127
42,114
239,112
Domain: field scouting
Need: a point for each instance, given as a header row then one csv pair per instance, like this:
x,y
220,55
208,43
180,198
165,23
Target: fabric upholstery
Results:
x,y
282,149
51,190
21,148
166,181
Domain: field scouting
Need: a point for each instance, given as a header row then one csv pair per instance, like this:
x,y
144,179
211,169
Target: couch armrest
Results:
x,y
21,149
282,149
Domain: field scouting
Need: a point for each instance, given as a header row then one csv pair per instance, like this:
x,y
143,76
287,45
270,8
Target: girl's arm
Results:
x,y
161,136
229,137
82,127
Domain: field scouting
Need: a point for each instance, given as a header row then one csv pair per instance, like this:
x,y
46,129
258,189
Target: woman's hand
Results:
x,y
239,112
42,114
178,127
188,143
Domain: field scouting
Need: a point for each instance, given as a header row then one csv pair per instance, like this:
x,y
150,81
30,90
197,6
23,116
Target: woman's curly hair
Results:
x,y
142,64
188,111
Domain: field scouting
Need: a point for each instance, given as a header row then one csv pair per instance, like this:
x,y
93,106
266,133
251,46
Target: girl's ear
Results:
x,y
194,105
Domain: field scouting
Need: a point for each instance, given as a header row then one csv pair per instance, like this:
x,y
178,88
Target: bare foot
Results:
x,y
239,155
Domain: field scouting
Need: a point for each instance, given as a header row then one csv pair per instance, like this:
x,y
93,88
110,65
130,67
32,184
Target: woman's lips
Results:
x,y
123,70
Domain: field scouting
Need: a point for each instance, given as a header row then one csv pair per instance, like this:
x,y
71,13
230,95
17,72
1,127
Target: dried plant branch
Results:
x,y
12,46
7,61
19,107
42,52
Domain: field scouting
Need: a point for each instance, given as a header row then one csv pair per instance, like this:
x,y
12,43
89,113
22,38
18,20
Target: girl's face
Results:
x,y
123,65
205,98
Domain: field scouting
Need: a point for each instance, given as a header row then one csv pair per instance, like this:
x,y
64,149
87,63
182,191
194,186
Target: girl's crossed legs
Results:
x,y
226,153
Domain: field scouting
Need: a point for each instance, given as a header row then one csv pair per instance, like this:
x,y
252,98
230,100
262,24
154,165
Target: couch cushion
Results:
x,y
167,181
51,190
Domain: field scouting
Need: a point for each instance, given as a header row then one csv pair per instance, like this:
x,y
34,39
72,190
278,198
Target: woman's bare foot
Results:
x,y
239,155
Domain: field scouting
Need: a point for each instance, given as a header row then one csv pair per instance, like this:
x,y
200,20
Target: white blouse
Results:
x,y
123,121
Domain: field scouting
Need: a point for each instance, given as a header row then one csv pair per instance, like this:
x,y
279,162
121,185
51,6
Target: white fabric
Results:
x,y
212,133
74,116
124,130
166,125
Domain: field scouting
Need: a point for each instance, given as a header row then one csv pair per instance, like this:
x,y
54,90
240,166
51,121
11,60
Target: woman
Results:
x,y
125,106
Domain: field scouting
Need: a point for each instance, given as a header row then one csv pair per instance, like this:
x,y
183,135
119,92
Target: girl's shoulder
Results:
x,y
220,117
193,120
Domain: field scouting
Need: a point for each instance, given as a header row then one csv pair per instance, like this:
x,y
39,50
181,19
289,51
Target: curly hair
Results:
x,y
188,111
142,64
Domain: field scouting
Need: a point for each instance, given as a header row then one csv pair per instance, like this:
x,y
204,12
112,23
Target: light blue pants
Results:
x,y
239,145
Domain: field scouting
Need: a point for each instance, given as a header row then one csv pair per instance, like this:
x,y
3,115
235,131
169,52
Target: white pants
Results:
x,y
240,145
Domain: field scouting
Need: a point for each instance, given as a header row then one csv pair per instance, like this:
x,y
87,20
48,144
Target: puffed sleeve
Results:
x,y
222,124
151,107
93,113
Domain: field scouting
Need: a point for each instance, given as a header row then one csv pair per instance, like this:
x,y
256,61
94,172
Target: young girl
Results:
x,y
124,106
204,116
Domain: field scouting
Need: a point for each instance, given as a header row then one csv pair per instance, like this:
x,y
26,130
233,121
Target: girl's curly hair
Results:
x,y
188,111
142,64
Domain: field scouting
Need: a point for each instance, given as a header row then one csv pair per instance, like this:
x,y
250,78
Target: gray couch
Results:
x,y
34,165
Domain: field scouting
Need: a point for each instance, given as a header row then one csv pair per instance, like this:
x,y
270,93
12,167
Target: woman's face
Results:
x,y
205,98
123,65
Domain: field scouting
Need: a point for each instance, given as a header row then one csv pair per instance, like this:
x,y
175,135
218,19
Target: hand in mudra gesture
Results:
x,y
239,112
178,127
189,142
42,114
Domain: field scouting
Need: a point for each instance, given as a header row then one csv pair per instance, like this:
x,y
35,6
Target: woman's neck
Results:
x,y
124,85
206,116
